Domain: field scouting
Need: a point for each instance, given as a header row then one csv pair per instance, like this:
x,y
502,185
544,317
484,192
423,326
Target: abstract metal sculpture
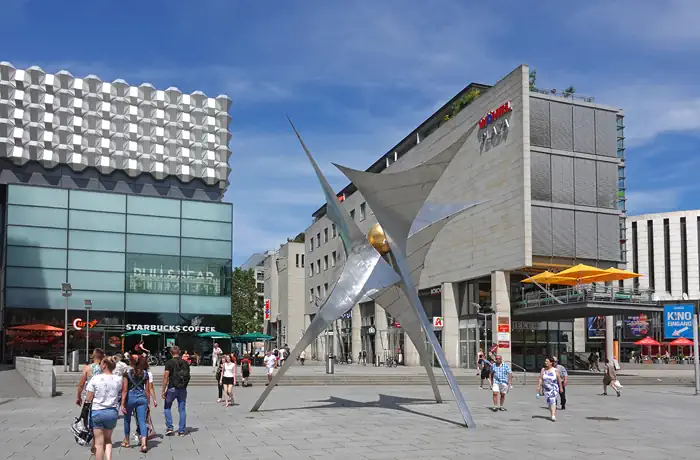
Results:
x,y
390,277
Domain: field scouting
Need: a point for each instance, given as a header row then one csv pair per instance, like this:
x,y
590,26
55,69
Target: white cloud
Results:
x,y
654,200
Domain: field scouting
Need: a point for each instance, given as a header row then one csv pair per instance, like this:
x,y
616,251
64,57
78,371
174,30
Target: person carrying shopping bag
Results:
x,y
136,397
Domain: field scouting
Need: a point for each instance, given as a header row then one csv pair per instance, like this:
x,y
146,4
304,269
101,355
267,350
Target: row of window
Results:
x,y
118,301
318,294
317,265
316,241
33,216
116,242
50,197
666,253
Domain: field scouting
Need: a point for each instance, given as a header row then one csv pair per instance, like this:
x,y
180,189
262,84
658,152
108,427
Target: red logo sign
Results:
x,y
79,324
115,341
503,328
267,309
503,344
495,114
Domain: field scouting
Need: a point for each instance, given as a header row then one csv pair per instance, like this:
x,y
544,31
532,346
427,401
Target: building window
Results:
x,y
302,260
325,289
334,258
297,259
318,266
684,255
667,254
334,232
352,214
318,292
363,211
650,245
311,244
260,276
325,235
261,288
318,240
311,295
311,269
635,255
325,262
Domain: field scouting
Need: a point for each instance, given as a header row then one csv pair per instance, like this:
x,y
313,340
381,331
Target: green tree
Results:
x,y
569,92
533,79
246,308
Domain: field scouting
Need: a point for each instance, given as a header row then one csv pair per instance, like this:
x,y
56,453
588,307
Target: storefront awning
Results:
x,y
556,312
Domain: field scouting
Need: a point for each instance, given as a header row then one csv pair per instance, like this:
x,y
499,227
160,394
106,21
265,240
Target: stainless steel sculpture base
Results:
x,y
396,199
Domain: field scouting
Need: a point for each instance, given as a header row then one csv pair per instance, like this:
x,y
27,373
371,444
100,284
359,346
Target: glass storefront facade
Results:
x,y
130,255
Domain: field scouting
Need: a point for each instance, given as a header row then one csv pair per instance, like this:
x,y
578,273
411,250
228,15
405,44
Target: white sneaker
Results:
x,y
554,418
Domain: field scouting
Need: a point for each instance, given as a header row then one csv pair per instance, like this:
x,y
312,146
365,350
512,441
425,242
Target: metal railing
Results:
x,y
515,366
562,93
587,293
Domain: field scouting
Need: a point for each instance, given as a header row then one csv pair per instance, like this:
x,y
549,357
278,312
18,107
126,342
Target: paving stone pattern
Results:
x,y
314,423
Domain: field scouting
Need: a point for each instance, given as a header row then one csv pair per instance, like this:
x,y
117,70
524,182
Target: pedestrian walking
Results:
x,y
302,357
89,371
501,381
564,381
593,361
549,385
216,357
485,366
219,383
103,392
228,379
136,397
270,362
121,366
610,378
175,380
151,387
479,360
245,369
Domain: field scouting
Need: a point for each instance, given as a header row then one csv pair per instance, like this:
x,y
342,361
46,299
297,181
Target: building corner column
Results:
x,y
356,336
580,335
410,352
609,337
381,336
450,328
500,303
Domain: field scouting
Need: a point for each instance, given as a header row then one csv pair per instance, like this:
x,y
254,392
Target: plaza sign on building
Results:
x,y
678,321
494,115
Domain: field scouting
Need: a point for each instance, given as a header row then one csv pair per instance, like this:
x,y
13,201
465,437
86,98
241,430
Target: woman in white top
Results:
x,y
228,380
104,391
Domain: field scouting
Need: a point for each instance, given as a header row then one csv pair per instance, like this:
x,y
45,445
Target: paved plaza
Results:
x,y
384,423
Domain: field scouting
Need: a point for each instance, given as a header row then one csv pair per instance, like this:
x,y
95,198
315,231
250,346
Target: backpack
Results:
x,y
81,427
245,367
181,375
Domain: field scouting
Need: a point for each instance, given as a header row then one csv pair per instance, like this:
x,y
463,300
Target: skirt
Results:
x,y
227,380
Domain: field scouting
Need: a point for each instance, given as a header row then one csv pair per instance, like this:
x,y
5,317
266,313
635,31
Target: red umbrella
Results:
x,y
682,342
37,327
647,341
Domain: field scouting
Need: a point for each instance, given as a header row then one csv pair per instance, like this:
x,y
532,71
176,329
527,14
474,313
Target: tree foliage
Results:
x,y
246,308
533,80
462,102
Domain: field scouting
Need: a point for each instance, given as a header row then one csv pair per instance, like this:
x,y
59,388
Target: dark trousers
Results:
x,y
562,395
221,390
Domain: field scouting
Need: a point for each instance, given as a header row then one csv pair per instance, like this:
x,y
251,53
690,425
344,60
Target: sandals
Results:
x,y
144,449
125,444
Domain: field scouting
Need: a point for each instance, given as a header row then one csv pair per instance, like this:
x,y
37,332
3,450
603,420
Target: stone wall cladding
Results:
x,y
39,374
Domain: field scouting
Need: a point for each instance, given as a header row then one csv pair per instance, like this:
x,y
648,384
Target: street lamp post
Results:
x,y
66,291
478,312
88,307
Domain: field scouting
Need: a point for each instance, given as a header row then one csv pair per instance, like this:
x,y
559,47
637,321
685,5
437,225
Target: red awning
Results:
x,y
682,342
36,327
647,341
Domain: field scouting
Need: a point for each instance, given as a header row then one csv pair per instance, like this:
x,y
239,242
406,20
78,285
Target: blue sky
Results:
x,y
357,76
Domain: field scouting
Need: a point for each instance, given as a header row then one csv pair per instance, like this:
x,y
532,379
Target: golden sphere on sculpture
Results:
x,y
377,239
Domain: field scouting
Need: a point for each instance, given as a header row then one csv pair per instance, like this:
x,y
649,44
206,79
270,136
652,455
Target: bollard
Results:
x,y
330,365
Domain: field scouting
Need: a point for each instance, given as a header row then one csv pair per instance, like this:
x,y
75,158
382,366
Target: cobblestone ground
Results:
x,y
385,423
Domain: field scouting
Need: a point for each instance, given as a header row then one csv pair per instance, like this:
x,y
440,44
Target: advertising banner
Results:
x,y
596,327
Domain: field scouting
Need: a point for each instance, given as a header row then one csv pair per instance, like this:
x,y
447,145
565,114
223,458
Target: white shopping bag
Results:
x,y
617,385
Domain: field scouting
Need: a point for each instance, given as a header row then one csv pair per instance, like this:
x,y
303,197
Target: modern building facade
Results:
x,y
114,189
256,262
285,293
544,169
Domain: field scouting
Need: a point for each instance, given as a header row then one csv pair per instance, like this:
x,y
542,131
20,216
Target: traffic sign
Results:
x,y
678,321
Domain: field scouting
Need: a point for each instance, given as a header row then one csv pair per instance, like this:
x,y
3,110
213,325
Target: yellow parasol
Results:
x,y
548,277
611,274
581,271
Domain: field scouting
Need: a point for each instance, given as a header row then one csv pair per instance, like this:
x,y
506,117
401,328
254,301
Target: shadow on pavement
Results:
x,y
385,402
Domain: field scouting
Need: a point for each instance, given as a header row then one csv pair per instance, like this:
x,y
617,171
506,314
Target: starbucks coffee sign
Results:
x,y
169,328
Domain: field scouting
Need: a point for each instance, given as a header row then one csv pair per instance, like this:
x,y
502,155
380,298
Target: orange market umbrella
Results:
x,y
612,274
37,327
581,271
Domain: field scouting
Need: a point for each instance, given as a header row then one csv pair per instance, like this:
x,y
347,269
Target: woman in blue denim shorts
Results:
x,y
104,391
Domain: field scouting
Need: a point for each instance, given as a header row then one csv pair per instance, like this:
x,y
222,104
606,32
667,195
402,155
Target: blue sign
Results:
x,y
678,321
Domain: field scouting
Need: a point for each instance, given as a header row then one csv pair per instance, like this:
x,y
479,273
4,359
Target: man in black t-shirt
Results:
x,y
175,380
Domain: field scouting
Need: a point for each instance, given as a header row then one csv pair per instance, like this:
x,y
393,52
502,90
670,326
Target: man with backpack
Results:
x,y
175,380
245,369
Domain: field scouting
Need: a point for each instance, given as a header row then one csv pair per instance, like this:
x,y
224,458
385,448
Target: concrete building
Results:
x,y
284,289
546,170
116,190
256,262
